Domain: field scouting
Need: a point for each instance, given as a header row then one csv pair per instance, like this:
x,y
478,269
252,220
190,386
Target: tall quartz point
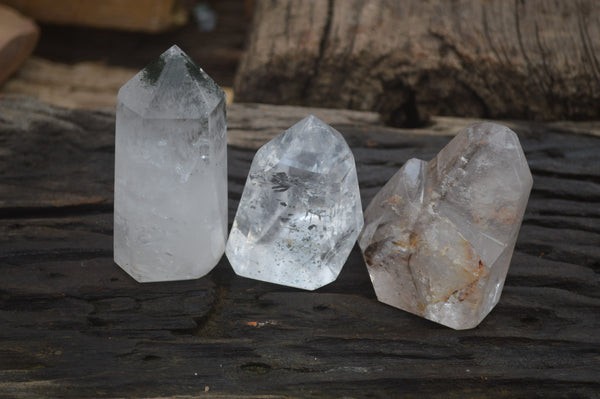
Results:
x,y
170,172
300,212
439,236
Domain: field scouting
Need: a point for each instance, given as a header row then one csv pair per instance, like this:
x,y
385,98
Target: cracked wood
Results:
x,y
73,325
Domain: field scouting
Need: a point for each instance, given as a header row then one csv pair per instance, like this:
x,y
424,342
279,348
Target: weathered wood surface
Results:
x,y
412,59
73,325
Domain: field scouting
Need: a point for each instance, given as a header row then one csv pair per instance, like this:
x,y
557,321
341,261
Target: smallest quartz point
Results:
x,y
300,212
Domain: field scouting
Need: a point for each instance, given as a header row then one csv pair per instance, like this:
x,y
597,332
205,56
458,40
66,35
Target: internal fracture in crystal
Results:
x,y
439,236
170,172
300,212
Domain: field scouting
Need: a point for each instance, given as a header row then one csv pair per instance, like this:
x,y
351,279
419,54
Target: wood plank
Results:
x,y
412,59
73,325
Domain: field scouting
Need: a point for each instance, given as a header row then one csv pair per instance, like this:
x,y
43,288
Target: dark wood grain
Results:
x,y
73,325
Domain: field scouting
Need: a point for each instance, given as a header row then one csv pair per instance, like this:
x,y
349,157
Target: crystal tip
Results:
x,y
174,51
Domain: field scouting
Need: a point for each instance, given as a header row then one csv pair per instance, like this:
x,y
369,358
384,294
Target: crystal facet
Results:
x,y
300,212
439,236
170,172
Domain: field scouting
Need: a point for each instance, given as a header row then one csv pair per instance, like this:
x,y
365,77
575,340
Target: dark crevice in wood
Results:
x,y
54,212
547,193
50,255
408,114
314,73
532,70
204,323
587,46
567,175
563,224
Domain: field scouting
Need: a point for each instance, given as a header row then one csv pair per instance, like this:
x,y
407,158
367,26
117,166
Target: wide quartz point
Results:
x,y
170,172
300,212
439,236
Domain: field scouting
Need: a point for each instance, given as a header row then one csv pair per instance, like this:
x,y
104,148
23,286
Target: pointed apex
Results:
x,y
313,121
494,133
173,51
313,128
173,87
311,145
175,54
312,131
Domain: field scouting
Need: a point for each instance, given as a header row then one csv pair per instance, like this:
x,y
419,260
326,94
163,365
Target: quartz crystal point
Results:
x,y
439,236
170,172
300,212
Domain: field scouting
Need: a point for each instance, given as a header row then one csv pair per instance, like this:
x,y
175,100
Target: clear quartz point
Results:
x,y
170,172
439,236
300,212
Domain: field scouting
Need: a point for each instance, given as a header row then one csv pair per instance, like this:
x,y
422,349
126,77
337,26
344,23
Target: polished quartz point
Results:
x,y
439,236
170,172
300,212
